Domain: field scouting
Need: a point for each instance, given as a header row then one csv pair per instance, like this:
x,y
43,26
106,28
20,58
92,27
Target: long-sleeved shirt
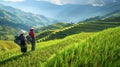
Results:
x,y
32,34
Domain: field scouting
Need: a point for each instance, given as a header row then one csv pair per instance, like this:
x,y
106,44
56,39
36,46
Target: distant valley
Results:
x,y
69,12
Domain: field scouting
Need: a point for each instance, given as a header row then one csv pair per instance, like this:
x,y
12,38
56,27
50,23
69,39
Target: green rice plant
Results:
x,y
101,50
44,50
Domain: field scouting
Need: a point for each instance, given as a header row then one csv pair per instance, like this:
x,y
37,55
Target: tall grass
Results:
x,y
101,50
81,50
43,52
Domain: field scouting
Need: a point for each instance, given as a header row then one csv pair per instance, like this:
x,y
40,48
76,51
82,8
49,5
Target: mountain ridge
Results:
x,y
23,17
70,12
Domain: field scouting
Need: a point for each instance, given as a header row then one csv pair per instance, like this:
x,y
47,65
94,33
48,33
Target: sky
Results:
x,y
62,2
14,0
59,2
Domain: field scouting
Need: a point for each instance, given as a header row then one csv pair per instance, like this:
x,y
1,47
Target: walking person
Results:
x,y
23,43
32,35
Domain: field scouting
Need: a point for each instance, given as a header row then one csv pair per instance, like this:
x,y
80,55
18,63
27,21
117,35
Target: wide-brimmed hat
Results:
x,y
22,31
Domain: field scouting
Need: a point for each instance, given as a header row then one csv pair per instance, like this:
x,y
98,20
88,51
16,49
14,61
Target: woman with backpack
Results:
x,y
23,43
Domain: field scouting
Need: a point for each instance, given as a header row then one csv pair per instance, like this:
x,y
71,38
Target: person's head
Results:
x,y
31,29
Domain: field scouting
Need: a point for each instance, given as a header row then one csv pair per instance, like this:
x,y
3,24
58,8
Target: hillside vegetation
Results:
x,y
55,26
45,31
44,50
7,45
93,26
6,33
99,49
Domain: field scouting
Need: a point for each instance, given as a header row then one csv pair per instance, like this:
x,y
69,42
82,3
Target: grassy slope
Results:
x,y
7,45
43,51
55,26
101,50
6,32
94,49
85,27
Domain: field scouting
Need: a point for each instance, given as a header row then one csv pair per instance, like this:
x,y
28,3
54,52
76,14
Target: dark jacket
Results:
x,y
23,41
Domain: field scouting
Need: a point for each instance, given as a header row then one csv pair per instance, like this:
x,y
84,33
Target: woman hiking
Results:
x,y
32,35
23,43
